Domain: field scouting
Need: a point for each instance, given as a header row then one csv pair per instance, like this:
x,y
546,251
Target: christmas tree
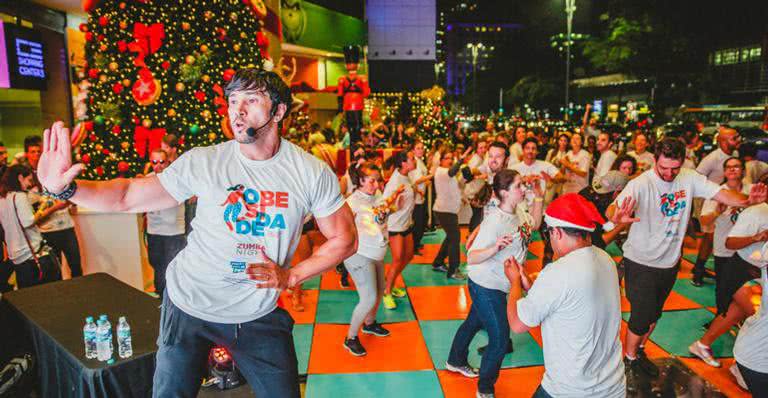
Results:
x,y
160,67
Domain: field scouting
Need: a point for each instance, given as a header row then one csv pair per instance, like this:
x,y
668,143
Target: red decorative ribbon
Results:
x,y
149,39
146,140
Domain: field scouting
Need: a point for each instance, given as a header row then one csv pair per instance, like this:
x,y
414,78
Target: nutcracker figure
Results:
x,y
352,91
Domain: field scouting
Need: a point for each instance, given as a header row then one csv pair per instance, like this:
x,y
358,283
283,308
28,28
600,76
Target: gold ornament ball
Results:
x,y
243,35
171,112
103,78
179,87
189,59
103,47
113,156
206,114
113,66
208,15
125,145
98,147
185,26
206,78
203,48
211,136
123,25
146,123
122,6
233,16
126,82
236,47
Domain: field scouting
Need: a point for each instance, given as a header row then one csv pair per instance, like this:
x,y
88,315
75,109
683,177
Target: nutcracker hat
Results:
x,y
351,54
573,211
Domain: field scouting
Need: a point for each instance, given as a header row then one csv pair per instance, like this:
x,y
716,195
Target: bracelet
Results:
x,y
537,199
66,194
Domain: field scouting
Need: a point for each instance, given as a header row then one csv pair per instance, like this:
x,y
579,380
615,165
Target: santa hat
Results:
x,y
574,211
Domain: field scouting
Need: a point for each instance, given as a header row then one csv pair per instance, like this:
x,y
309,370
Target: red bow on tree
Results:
x,y
148,41
219,100
146,140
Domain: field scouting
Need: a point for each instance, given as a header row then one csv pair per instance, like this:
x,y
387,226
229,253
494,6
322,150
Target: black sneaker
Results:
x,y
510,348
344,281
354,347
375,329
697,281
630,371
646,365
440,268
708,274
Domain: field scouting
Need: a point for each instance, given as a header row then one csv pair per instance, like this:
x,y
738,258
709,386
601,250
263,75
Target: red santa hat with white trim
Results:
x,y
574,211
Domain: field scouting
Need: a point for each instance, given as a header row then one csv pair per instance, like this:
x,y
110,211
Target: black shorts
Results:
x,y
731,273
308,226
647,289
402,233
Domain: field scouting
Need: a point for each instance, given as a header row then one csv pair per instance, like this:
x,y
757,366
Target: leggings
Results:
x,y
369,279
419,223
451,245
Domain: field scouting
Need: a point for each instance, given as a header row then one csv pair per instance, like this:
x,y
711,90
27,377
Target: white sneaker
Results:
x,y
466,370
704,353
484,395
737,375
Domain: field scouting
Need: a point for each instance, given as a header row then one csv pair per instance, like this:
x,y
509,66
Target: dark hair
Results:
x,y
9,182
356,174
32,140
497,144
501,181
247,79
396,160
608,133
670,148
171,140
624,158
733,158
529,140
575,232
747,150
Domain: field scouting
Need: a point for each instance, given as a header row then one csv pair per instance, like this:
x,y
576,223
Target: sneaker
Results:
x,y
734,369
704,353
457,276
375,329
398,292
464,370
646,365
708,274
440,268
389,302
354,347
485,395
344,282
697,281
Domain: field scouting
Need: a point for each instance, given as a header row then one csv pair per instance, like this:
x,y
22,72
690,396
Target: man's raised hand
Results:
x,y
55,169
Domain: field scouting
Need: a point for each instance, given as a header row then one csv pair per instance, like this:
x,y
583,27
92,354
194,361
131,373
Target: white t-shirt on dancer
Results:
x,y
536,168
401,219
574,182
448,193
244,206
750,349
372,236
712,165
18,249
497,223
664,209
752,220
415,174
605,163
723,223
645,160
576,301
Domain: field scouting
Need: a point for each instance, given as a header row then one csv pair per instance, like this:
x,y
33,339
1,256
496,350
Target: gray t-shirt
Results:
x,y
244,206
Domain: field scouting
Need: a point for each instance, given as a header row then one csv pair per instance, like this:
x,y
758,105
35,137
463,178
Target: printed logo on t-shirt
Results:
x,y
672,203
245,210
237,266
735,211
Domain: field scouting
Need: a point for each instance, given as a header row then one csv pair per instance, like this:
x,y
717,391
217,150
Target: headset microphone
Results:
x,y
252,131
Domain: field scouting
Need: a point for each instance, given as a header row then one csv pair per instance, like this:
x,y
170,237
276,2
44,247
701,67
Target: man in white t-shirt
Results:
x,y
253,194
576,301
645,159
165,228
516,149
472,188
711,166
534,171
653,247
607,155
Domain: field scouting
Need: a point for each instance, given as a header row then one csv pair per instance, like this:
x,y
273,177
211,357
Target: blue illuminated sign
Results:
x,y
29,57
26,58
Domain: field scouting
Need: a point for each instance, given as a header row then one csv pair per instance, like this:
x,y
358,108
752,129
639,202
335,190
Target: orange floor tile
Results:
x,y
403,350
309,299
429,252
437,303
331,281
517,382
719,377
675,302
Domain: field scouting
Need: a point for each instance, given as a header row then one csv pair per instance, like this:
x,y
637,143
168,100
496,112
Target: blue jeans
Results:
x,y
161,250
541,393
489,312
262,349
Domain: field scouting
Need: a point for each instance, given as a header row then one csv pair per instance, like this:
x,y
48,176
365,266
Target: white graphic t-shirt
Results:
x,y
723,223
663,209
244,207
400,220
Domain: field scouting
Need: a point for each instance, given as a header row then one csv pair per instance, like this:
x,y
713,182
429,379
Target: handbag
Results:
x,y
48,266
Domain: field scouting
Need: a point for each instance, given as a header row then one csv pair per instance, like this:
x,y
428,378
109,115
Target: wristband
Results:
x,y
66,194
537,199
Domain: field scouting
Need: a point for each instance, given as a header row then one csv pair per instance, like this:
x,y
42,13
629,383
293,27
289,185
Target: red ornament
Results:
x,y
261,39
103,21
83,27
122,46
135,119
88,36
116,130
93,73
228,74
123,166
146,89
88,126
165,65
88,5
100,171
105,151
117,88
100,37
93,137
86,158
200,96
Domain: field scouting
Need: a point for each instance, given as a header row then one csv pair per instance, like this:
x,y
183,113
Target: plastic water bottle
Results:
x,y
104,318
89,335
124,347
102,341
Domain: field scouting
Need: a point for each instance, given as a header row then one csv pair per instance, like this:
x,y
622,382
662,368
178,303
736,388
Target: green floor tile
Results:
x,y
614,250
422,275
336,306
704,295
302,339
439,335
312,284
434,237
691,258
676,330
419,384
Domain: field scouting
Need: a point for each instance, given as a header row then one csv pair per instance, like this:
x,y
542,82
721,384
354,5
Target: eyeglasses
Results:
x,y
158,161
